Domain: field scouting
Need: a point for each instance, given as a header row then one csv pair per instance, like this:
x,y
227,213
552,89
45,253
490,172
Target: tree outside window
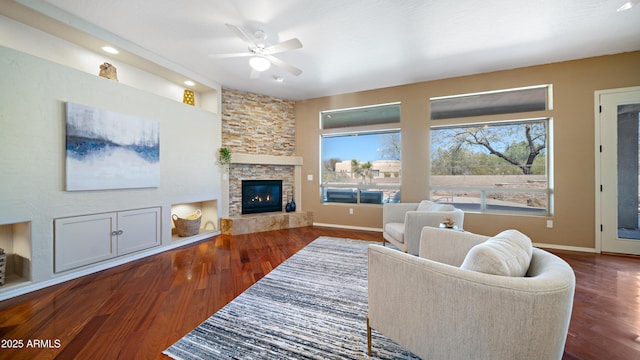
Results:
x,y
499,166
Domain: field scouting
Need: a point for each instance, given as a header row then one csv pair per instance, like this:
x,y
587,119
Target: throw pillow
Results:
x,y
443,207
427,205
507,254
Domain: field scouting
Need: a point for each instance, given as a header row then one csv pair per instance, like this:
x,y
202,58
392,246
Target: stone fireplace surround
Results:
x,y
263,167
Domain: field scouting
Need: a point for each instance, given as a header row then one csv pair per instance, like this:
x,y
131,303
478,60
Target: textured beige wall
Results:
x,y
574,83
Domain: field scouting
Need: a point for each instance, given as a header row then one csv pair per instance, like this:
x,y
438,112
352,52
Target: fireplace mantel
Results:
x,y
266,159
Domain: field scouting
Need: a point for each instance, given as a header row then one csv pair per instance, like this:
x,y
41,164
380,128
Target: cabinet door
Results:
x,y
138,230
83,240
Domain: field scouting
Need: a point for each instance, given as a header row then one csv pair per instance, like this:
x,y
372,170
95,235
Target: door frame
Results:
x,y
598,143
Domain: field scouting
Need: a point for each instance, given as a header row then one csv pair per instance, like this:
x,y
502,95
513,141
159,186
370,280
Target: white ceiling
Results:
x,y
365,44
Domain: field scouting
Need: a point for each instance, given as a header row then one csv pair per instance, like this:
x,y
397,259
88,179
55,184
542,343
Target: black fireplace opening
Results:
x,y
261,196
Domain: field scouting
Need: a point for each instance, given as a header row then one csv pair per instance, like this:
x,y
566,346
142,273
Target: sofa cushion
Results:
x,y
506,254
396,230
427,205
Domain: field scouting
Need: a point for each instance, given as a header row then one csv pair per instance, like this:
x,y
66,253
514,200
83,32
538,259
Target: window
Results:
x,y
499,166
361,116
360,155
510,101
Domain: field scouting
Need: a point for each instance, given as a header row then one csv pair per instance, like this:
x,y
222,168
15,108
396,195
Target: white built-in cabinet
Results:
x,y
88,239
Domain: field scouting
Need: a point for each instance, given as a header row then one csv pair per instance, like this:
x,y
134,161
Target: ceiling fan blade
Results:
x,y
231,55
288,45
242,35
281,64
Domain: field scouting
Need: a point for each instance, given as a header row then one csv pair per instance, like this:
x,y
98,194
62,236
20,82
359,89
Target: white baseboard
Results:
x,y
348,227
568,248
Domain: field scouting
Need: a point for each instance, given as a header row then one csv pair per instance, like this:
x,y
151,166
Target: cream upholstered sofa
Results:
x,y
403,222
450,302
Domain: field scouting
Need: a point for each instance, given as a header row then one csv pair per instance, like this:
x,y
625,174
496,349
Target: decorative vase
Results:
x,y
287,207
189,97
108,71
293,204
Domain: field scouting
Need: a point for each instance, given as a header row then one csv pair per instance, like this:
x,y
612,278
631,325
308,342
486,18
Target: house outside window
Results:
x,y
360,155
502,166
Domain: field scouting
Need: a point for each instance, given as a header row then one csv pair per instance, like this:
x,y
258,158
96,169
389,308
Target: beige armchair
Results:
x,y
439,306
403,222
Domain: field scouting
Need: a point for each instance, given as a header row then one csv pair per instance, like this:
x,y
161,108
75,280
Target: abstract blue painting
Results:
x,y
108,150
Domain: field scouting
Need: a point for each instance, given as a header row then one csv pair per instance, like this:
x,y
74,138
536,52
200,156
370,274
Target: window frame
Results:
x,y
359,130
496,102
501,118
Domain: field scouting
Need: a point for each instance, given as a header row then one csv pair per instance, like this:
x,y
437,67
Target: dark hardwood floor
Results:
x,y
136,310
605,323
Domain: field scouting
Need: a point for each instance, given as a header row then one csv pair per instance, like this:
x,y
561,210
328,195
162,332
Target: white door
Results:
x,y
617,114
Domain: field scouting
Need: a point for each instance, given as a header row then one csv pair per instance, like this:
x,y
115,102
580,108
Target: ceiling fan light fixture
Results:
x,y
259,63
628,5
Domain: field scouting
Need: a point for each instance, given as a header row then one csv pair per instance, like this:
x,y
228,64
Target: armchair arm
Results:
x,y
416,220
447,246
395,212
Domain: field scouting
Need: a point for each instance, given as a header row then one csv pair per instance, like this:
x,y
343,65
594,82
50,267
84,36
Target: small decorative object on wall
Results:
x,y
189,97
108,71
107,150
224,157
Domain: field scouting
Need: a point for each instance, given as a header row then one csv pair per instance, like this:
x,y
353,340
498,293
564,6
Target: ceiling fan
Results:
x,y
261,52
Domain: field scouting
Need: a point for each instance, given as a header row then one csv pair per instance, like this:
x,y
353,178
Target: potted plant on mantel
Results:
x,y
224,158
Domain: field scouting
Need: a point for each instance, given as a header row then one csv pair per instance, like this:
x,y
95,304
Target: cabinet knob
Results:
x,y
120,232
114,233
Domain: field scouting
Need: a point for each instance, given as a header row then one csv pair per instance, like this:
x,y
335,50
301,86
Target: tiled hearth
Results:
x,y
246,224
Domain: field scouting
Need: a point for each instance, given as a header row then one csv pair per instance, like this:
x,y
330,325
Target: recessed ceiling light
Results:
x,y
110,50
189,83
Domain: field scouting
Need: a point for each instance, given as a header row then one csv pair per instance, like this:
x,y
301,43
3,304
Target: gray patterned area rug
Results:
x,y
312,306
